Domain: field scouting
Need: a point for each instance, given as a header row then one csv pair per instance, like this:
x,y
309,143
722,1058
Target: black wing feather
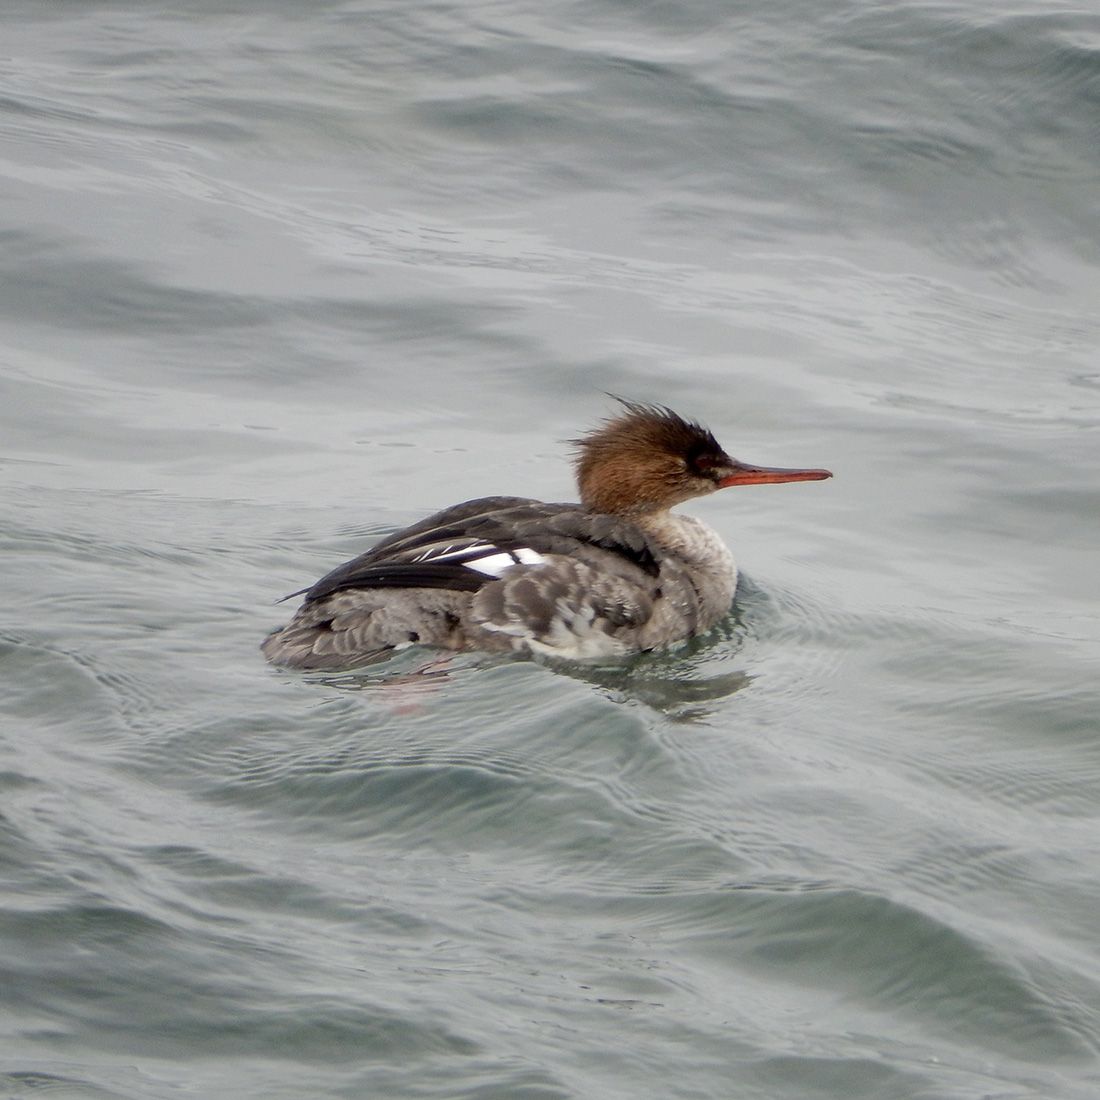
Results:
x,y
454,576
453,520
492,525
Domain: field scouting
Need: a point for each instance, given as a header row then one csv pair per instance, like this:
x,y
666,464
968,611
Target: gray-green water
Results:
x,y
276,279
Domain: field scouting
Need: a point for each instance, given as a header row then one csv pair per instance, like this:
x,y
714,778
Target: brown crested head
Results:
x,y
648,459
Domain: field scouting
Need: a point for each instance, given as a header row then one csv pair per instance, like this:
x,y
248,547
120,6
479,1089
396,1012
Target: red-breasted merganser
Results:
x,y
616,574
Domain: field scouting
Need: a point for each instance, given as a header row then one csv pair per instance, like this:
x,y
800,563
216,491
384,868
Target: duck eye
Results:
x,y
701,461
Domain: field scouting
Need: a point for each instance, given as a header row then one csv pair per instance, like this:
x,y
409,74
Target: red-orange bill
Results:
x,y
741,473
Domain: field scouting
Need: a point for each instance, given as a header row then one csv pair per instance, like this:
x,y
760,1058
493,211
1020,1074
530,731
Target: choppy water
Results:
x,y
277,279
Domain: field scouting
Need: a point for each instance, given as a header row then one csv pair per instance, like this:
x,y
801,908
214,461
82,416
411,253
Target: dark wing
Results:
x,y
453,517
464,547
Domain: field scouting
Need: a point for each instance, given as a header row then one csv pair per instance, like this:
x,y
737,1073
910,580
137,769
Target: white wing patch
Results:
x,y
445,553
483,557
528,556
495,564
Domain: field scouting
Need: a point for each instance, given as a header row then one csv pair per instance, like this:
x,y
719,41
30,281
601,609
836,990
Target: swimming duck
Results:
x,y
616,574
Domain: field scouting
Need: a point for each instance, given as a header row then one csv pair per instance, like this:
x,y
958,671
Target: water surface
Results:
x,y
278,281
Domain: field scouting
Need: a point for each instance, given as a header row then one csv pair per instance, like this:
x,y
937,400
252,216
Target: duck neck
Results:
x,y
687,538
